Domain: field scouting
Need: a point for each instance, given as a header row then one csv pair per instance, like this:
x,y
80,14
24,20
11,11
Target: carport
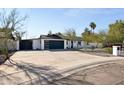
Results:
x,y
25,45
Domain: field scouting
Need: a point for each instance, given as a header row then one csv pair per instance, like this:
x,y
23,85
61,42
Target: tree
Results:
x,y
97,38
102,36
90,37
50,32
116,32
19,35
93,26
10,23
70,34
59,33
86,36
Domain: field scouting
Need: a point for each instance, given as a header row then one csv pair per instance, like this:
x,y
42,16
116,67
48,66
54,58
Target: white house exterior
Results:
x,y
46,42
36,44
74,44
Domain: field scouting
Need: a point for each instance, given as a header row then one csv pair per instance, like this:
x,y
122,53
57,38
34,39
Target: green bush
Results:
x,y
108,50
3,51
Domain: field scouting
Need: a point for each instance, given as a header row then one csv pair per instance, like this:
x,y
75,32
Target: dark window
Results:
x,y
26,45
79,42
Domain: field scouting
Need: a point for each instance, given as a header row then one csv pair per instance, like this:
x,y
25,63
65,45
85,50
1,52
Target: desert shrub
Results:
x,y
108,50
92,48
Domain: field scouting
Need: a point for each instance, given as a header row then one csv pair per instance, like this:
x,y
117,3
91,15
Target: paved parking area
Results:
x,y
45,65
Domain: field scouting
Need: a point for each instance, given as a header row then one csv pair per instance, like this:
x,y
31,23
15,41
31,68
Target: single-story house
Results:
x,y
46,42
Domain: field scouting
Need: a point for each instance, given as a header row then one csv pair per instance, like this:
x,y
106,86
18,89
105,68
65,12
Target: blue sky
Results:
x,y
42,20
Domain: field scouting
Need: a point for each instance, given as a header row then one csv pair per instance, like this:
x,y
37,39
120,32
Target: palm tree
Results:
x,y
93,26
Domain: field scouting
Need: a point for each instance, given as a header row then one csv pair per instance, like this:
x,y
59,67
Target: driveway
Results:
x,y
59,59
45,65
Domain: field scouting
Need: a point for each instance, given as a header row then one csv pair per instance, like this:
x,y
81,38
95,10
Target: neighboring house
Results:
x,y
46,42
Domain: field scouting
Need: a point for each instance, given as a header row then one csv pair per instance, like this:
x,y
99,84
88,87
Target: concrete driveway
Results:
x,y
59,59
45,65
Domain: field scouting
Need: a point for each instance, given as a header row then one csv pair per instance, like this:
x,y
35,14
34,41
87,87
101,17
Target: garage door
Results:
x,y
50,44
26,45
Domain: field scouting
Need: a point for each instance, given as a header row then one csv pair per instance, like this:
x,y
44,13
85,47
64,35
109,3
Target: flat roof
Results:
x,y
54,36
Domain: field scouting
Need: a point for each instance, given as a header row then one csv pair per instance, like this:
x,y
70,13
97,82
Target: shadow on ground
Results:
x,y
70,81
58,50
33,74
3,57
36,75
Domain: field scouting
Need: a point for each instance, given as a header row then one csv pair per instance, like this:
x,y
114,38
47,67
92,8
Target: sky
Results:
x,y
41,20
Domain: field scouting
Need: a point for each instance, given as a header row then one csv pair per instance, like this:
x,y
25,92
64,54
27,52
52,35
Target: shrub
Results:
x,y
108,50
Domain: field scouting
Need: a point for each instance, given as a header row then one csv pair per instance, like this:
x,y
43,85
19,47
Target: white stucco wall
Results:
x,y
39,44
36,44
68,44
115,50
65,44
75,44
17,45
81,45
42,44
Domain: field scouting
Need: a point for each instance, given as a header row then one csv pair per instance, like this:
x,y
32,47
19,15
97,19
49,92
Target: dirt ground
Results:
x,y
42,67
107,74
